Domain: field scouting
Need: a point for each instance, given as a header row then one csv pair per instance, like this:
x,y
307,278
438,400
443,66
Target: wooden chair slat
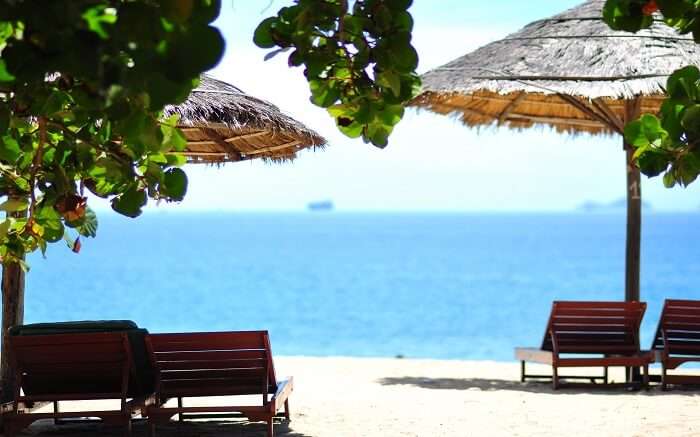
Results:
x,y
211,355
257,374
211,364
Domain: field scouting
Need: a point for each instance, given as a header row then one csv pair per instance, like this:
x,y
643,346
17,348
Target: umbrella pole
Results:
x,y
12,314
634,229
634,210
634,223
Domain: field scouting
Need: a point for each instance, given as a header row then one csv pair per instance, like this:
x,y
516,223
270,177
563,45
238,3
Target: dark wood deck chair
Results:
x,y
677,340
589,334
216,364
69,367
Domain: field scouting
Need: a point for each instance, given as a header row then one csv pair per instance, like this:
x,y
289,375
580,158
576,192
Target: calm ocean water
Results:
x,y
420,285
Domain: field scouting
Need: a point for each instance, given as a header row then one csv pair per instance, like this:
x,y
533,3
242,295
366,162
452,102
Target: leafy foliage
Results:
x,y
359,61
82,87
669,144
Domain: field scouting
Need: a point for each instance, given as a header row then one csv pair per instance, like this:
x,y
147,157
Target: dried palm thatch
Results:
x,y
224,124
571,72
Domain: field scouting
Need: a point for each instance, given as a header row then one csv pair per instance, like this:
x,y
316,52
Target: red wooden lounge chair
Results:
x,y
216,364
70,367
677,340
606,333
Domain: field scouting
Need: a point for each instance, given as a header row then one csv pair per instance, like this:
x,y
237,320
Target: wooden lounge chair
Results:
x,y
215,364
605,333
677,340
69,367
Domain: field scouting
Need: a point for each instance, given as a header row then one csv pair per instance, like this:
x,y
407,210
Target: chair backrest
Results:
x,y
594,327
142,374
72,366
680,323
235,362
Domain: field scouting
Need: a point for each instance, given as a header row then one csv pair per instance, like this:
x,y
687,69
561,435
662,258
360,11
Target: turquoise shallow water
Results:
x,y
420,285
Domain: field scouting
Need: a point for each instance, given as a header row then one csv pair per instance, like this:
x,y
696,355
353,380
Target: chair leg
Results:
x,y
270,430
522,371
555,377
645,377
180,417
605,375
56,420
151,430
664,386
287,414
127,428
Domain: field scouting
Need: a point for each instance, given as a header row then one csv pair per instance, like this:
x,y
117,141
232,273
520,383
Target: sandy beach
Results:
x,y
349,397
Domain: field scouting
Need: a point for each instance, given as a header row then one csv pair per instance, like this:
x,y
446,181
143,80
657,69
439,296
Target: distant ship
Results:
x,y
322,205
619,205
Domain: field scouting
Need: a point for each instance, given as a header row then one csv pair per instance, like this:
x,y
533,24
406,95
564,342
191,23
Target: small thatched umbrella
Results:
x,y
222,124
570,72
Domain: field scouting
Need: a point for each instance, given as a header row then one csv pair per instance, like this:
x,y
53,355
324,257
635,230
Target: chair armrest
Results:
x,y
284,389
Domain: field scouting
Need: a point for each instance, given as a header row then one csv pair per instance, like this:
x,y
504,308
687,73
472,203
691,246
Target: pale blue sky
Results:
x,y
432,162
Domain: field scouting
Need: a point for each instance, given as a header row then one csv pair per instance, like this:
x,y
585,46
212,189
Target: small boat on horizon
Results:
x,y
321,205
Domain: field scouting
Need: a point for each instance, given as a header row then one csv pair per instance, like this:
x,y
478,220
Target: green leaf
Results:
x,y
130,202
14,205
390,79
89,226
263,34
622,15
682,83
98,16
5,75
176,159
669,180
55,103
9,149
691,119
5,228
174,184
49,218
173,139
323,93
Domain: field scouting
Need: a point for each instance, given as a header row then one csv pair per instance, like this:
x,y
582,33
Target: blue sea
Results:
x,y
451,286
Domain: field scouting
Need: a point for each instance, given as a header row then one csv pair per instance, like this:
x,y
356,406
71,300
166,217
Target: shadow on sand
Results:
x,y
484,384
219,428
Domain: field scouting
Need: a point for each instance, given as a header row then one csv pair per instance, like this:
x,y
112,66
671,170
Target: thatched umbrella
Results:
x,y
222,124
573,73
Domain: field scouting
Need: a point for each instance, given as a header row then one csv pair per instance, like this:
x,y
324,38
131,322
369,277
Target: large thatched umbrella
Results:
x,y
222,124
570,72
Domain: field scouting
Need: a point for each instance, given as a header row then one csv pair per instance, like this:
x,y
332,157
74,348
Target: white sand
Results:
x,y
355,397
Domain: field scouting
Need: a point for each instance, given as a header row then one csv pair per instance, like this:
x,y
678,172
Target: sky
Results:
x,y
432,163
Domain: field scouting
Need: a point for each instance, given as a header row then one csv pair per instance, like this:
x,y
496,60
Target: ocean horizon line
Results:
x,y
341,211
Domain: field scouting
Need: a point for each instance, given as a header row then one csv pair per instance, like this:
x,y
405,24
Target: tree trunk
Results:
x,y
12,314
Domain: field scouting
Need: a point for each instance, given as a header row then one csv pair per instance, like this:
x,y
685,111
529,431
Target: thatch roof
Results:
x,y
224,124
530,77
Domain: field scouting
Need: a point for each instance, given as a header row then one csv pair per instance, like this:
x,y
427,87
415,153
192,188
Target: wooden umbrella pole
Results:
x,y
634,229
12,314
634,211
634,223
